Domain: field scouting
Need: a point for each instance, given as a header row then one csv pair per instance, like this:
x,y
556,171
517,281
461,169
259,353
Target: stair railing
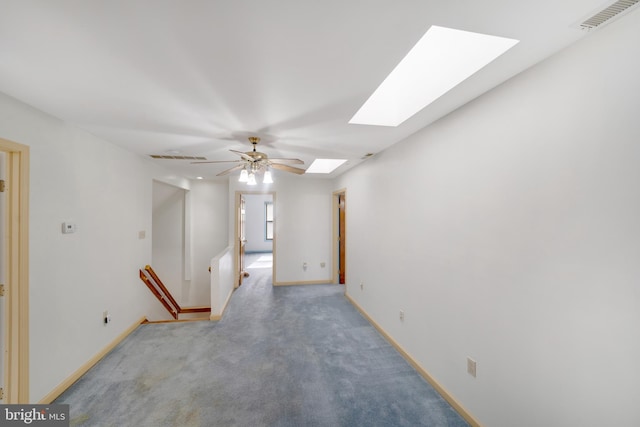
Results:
x,y
157,288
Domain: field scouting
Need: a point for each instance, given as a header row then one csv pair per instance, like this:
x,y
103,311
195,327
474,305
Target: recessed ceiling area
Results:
x,y
442,59
199,78
325,166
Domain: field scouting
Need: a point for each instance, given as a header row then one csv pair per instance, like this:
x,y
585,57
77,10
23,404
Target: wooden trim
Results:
x,y
164,296
236,237
335,231
16,364
163,288
196,319
195,310
173,311
64,385
422,371
307,282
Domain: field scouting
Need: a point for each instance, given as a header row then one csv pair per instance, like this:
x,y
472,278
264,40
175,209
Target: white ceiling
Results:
x,y
201,76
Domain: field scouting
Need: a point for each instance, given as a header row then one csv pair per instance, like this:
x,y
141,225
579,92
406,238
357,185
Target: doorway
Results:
x,y
340,236
254,232
14,319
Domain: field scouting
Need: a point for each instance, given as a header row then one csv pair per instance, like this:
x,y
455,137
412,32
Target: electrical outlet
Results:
x,y
106,317
68,227
402,315
471,367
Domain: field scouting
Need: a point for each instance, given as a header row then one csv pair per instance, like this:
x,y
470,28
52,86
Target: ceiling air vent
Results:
x,y
613,11
162,156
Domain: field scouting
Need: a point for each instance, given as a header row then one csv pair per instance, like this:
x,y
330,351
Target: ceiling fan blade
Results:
x,y
228,171
288,168
294,161
218,161
243,155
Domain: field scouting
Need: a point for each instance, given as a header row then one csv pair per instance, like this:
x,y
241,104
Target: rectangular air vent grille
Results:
x,y
607,14
158,156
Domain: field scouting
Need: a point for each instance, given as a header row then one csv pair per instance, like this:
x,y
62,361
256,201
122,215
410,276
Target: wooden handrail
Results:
x,y
162,287
158,295
163,295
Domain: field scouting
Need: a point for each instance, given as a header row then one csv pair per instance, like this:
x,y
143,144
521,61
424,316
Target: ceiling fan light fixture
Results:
x,y
252,179
267,179
244,176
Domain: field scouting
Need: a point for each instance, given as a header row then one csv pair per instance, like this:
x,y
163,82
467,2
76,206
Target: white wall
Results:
x,y
303,226
255,223
106,191
209,220
168,243
222,281
508,232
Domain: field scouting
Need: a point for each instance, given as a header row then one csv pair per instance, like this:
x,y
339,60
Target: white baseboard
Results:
x,y
308,282
53,394
435,384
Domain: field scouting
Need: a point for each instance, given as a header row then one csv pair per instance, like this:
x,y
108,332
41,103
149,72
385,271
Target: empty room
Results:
x,y
320,213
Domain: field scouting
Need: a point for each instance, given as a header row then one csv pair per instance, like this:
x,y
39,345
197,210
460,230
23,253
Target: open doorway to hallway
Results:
x,y
255,234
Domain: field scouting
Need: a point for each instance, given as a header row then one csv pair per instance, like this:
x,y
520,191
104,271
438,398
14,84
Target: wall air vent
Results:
x,y
606,15
162,156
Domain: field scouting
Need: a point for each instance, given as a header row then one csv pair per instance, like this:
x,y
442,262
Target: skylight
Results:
x,y
442,59
324,165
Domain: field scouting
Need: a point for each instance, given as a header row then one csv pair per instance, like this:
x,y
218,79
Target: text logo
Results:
x,y
53,415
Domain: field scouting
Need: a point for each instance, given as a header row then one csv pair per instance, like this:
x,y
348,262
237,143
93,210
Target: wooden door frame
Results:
x,y
16,364
336,233
236,227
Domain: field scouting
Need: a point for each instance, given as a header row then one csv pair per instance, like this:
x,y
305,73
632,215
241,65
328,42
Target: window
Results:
x,y
268,220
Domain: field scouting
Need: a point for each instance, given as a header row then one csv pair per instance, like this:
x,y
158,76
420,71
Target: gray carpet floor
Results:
x,y
285,356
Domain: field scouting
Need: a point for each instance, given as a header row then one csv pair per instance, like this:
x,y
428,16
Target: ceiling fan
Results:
x,y
255,161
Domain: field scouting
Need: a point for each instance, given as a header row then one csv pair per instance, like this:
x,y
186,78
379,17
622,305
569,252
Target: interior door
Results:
x,y
242,239
342,238
3,276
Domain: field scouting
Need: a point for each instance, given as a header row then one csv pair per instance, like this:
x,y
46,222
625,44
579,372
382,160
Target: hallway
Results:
x,y
284,356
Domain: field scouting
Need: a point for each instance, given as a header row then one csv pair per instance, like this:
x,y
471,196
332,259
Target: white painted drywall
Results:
x,y
303,226
509,232
255,223
107,193
222,280
169,239
209,220
304,230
